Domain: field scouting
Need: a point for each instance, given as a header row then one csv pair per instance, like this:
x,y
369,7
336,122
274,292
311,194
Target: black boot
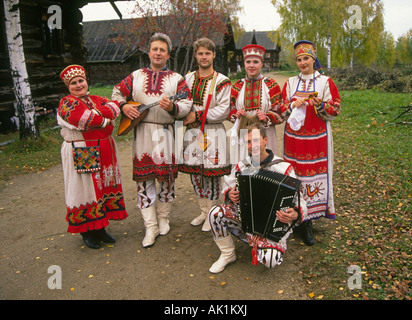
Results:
x,y
307,233
102,235
90,239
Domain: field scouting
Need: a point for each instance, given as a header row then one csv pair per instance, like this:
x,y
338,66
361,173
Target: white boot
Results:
x,y
150,223
163,211
203,212
210,204
227,254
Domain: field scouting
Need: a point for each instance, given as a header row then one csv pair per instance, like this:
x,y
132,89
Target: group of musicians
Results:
x,y
255,105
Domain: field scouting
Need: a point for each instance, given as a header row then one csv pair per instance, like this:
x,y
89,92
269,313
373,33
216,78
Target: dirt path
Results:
x,y
33,234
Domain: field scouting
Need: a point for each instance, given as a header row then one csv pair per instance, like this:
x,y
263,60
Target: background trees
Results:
x,y
342,31
184,20
21,84
403,49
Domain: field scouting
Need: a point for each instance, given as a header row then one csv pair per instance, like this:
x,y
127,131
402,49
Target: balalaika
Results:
x,y
262,193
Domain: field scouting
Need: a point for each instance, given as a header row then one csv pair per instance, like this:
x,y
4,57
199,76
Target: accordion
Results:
x,y
262,193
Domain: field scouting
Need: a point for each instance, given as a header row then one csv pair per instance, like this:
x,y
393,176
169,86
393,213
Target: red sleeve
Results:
x,y
234,94
106,108
274,113
78,114
126,87
285,108
332,107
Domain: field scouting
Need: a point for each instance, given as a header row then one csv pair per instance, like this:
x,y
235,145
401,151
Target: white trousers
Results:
x,y
210,188
147,192
224,221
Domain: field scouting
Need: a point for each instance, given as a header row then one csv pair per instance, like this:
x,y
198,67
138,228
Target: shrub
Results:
x,y
362,78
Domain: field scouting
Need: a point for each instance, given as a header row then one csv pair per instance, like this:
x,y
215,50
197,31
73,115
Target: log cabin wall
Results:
x,y
111,73
47,52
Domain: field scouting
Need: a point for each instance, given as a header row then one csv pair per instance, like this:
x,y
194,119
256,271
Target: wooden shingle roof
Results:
x,y
99,35
98,40
267,39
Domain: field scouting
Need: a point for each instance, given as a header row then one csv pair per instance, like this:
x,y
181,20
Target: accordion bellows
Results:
x,y
262,193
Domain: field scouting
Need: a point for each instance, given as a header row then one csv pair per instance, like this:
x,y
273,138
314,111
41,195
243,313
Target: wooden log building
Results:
x,y
268,39
109,63
47,52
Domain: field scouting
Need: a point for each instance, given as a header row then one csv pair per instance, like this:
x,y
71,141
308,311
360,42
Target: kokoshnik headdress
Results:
x,y
253,50
305,47
72,71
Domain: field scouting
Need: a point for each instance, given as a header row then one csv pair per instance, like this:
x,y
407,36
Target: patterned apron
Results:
x,y
307,150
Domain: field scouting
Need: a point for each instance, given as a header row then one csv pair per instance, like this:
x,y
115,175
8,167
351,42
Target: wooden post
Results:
x,y
24,102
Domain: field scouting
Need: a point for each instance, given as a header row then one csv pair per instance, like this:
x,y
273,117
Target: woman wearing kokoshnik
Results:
x,y
255,99
310,102
92,178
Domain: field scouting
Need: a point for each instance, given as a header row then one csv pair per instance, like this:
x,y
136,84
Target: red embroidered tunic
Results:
x,y
215,159
253,95
153,143
92,199
310,149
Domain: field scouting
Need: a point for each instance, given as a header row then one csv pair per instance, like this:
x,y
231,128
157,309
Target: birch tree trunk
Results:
x,y
329,48
24,102
351,61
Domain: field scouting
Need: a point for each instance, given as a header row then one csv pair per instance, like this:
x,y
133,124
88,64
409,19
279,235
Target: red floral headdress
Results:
x,y
253,50
72,71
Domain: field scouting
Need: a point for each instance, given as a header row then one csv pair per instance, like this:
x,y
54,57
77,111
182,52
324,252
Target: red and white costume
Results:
x,y
92,199
310,148
224,219
154,155
258,94
214,162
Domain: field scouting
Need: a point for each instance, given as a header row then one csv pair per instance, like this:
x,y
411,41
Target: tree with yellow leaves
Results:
x,y
342,30
404,48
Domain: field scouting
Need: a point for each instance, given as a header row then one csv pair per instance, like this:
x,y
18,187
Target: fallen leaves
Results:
x,y
312,295
372,189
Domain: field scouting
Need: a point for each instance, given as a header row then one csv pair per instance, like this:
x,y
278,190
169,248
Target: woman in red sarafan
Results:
x,y
92,178
310,102
255,99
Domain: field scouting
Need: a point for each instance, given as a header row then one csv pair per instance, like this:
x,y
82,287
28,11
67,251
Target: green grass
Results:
x,y
372,186
103,91
27,156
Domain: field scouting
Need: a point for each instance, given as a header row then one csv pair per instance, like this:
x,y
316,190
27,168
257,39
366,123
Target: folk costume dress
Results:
x,y
253,95
224,219
310,148
154,156
94,198
206,167
262,94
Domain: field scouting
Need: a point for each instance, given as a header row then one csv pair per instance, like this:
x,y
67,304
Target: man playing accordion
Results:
x,y
225,219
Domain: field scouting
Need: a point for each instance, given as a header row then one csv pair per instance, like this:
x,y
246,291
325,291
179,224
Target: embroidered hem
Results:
x,y
207,172
96,215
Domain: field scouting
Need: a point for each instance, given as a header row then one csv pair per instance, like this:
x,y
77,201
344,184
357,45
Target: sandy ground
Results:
x,y
34,238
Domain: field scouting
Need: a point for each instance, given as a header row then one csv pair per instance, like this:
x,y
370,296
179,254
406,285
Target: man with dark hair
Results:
x,y
224,219
206,163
